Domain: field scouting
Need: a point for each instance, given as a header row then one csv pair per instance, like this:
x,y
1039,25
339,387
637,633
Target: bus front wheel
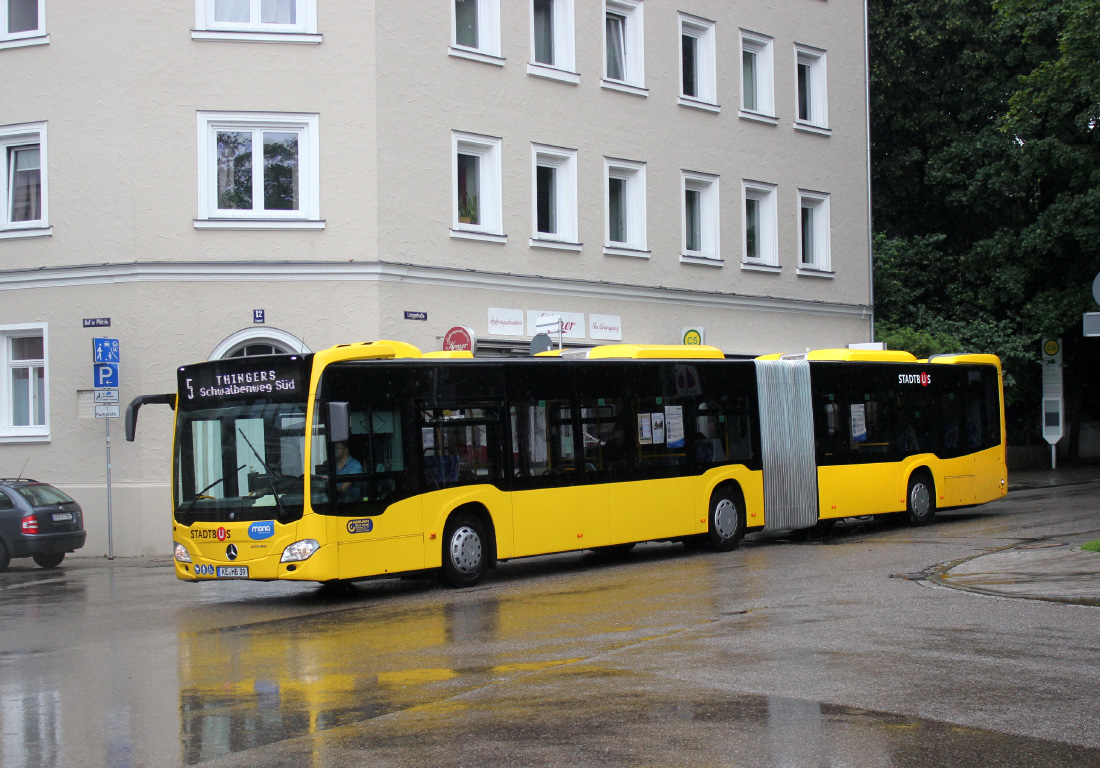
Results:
x,y
464,561
920,501
727,520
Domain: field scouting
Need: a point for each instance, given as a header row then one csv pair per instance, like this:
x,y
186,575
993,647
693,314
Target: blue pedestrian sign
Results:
x,y
105,351
105,375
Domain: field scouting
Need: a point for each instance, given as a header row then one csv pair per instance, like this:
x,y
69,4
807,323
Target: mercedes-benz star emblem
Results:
x,y
231,551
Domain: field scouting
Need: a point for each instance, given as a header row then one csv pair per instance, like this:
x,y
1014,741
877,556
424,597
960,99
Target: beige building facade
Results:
x,y
639,167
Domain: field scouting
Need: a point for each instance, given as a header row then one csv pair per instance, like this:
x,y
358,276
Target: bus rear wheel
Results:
x,y
464,561
920,501
727,520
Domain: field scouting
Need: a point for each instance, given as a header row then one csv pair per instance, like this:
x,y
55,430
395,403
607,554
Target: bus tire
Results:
x,y
464,551
920,500
727,520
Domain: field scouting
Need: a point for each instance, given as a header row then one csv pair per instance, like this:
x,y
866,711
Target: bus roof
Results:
x,y
885,356
360,350
655,352
847,355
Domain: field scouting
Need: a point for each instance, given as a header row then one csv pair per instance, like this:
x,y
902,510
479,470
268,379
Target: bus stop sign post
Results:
x,y
105,360
1053,404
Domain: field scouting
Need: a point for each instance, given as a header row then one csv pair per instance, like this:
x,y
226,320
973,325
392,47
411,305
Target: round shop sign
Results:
x,y
460,339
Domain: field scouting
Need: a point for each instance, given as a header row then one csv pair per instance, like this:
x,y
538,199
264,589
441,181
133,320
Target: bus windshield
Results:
x,y
241,440
241,463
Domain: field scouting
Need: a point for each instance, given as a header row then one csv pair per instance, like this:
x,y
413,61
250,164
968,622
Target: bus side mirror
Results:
x,y
132,409
339,423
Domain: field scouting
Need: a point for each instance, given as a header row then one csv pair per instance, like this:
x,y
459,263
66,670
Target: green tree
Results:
x,y
985,173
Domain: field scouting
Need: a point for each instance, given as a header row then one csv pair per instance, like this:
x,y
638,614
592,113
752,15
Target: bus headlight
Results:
x,y
182,555
299,550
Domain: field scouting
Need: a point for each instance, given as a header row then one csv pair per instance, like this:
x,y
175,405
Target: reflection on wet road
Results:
x,y
780,654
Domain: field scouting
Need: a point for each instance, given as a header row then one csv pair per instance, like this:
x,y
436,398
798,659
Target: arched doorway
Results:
x,y
250,342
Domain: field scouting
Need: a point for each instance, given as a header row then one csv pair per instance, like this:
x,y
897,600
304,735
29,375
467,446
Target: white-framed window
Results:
x,y
813,231
757,76
760,240
812,102
24,404
477,208
553,40
23,195
475,30
700,217
263,21
554,197
698,71
625,204
22,22
258,170
259,340
624,46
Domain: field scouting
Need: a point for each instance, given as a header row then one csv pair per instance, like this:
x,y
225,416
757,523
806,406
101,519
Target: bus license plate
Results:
x,y
233,572
60,517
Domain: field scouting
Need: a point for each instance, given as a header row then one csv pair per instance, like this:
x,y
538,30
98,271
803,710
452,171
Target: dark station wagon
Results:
x,y
39,521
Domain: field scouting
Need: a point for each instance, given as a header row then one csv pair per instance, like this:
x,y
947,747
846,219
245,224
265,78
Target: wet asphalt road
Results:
x,y
811,654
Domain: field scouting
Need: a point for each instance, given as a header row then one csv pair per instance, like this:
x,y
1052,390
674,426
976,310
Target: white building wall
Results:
x,y
121,97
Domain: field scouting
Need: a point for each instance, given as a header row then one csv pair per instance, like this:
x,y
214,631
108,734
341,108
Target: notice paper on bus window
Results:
x,y
674,426
859,422
658,422
645,429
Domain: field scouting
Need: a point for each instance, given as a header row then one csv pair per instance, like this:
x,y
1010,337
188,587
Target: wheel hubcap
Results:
x,y
920,499
466,550
725,518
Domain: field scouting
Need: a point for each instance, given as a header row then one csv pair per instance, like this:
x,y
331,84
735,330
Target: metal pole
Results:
x,y
1054,456
110,527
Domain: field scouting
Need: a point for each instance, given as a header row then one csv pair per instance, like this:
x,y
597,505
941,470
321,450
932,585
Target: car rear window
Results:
x,y
42,495
5,501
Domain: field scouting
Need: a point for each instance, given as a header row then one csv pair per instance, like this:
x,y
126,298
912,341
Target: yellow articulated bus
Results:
x,y
373,459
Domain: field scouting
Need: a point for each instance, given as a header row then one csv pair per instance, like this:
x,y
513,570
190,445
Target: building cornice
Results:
x,y
381,271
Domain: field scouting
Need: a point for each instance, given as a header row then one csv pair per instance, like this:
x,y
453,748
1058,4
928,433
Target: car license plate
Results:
x,y
233,572
60,517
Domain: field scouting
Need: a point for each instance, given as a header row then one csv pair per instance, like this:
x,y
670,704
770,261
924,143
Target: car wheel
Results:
x,y
5,558
920,501
727,520
464,561
51,560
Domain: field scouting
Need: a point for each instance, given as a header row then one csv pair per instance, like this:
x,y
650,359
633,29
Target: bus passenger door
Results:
x,y
553,508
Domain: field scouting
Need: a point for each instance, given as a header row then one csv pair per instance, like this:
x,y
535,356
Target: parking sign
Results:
x,y
105,375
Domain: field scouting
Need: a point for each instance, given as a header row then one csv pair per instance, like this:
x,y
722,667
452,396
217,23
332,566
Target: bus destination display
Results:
x,y
248,378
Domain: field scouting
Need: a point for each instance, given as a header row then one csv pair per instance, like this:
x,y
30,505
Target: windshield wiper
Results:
x,y
283,514
198,495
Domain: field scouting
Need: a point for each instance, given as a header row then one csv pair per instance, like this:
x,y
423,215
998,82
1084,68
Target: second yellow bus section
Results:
x,y
883,487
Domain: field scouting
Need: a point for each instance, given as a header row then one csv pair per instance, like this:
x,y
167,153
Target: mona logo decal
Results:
x,y
261,530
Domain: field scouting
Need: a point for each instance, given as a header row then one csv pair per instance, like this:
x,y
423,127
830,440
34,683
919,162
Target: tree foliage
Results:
x,y
985,124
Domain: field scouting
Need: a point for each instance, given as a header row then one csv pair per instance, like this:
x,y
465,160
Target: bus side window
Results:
x,y
661,431
604,439
461,445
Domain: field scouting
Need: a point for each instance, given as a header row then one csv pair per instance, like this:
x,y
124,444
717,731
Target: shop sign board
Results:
x,y
460,339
